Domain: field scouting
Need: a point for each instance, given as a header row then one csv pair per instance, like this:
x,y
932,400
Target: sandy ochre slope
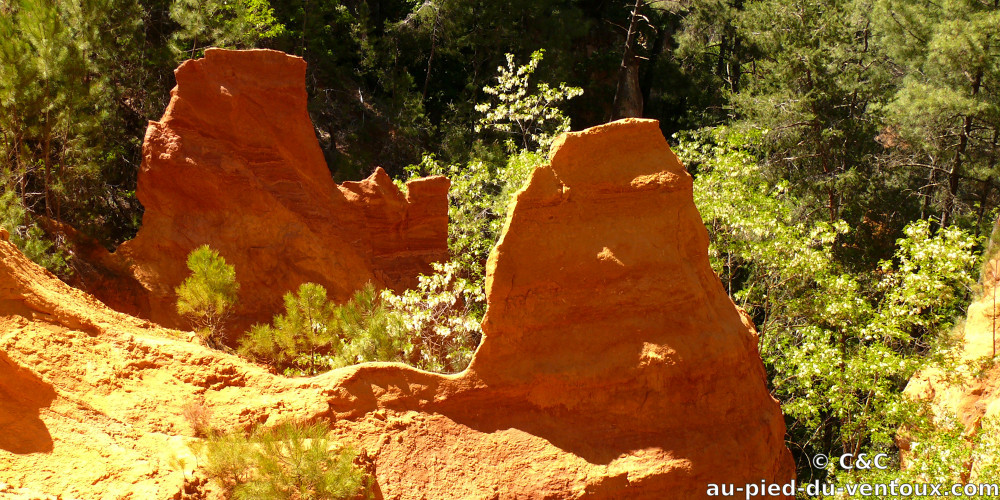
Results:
x,y
613,364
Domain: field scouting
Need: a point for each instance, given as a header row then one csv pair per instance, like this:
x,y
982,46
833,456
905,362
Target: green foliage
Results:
x,y
931,282
839,346
235,24
481,193
207,296
483,188
29,238
441,317
44,92
371,330
939,451
315,335
814,89
308,329
289,461
73,89
945,114
434,327
530,115
850,122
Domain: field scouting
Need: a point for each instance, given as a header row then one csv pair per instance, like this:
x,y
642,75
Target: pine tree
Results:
x,y
75,90
207,296
315,335
811,87
301,336
945,117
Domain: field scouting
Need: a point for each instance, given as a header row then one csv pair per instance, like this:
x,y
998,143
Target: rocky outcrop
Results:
x,y
234,163
613,364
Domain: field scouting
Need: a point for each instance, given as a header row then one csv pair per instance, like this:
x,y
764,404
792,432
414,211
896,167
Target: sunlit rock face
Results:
x,y
234,163
613,365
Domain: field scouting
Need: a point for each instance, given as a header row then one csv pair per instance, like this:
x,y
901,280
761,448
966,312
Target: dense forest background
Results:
x,y
877,112
845,151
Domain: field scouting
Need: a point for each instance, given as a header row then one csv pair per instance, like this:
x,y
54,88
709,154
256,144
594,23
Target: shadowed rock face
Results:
x,y
234,163
613,364
22,394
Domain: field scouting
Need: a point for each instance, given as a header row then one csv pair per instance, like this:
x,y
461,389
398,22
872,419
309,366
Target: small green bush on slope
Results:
x,y
428,327
291,461
207,296
315,335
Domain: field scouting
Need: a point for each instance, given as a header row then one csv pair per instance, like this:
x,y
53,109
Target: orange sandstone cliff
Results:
x,y
613,364
234,163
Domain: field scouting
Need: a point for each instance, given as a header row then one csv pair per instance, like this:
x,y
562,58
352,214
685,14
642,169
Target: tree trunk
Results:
x,y
430,58
660,45
987,182
925,207
48,170
956,170
628,95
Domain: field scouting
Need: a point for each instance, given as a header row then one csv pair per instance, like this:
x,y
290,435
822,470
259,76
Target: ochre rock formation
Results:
x,y
234,163
613,364
969,397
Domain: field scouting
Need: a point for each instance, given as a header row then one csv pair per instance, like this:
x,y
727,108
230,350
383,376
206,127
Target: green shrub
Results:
x,y
434,327
315,335
207,296
28,237
441,317
838,344
300,337
289,461
371,331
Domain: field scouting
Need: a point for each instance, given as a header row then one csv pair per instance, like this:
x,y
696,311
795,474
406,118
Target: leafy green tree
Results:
x,y
29,238
289,461
838,345
483,187
530,115
481,193
441,317
207,296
